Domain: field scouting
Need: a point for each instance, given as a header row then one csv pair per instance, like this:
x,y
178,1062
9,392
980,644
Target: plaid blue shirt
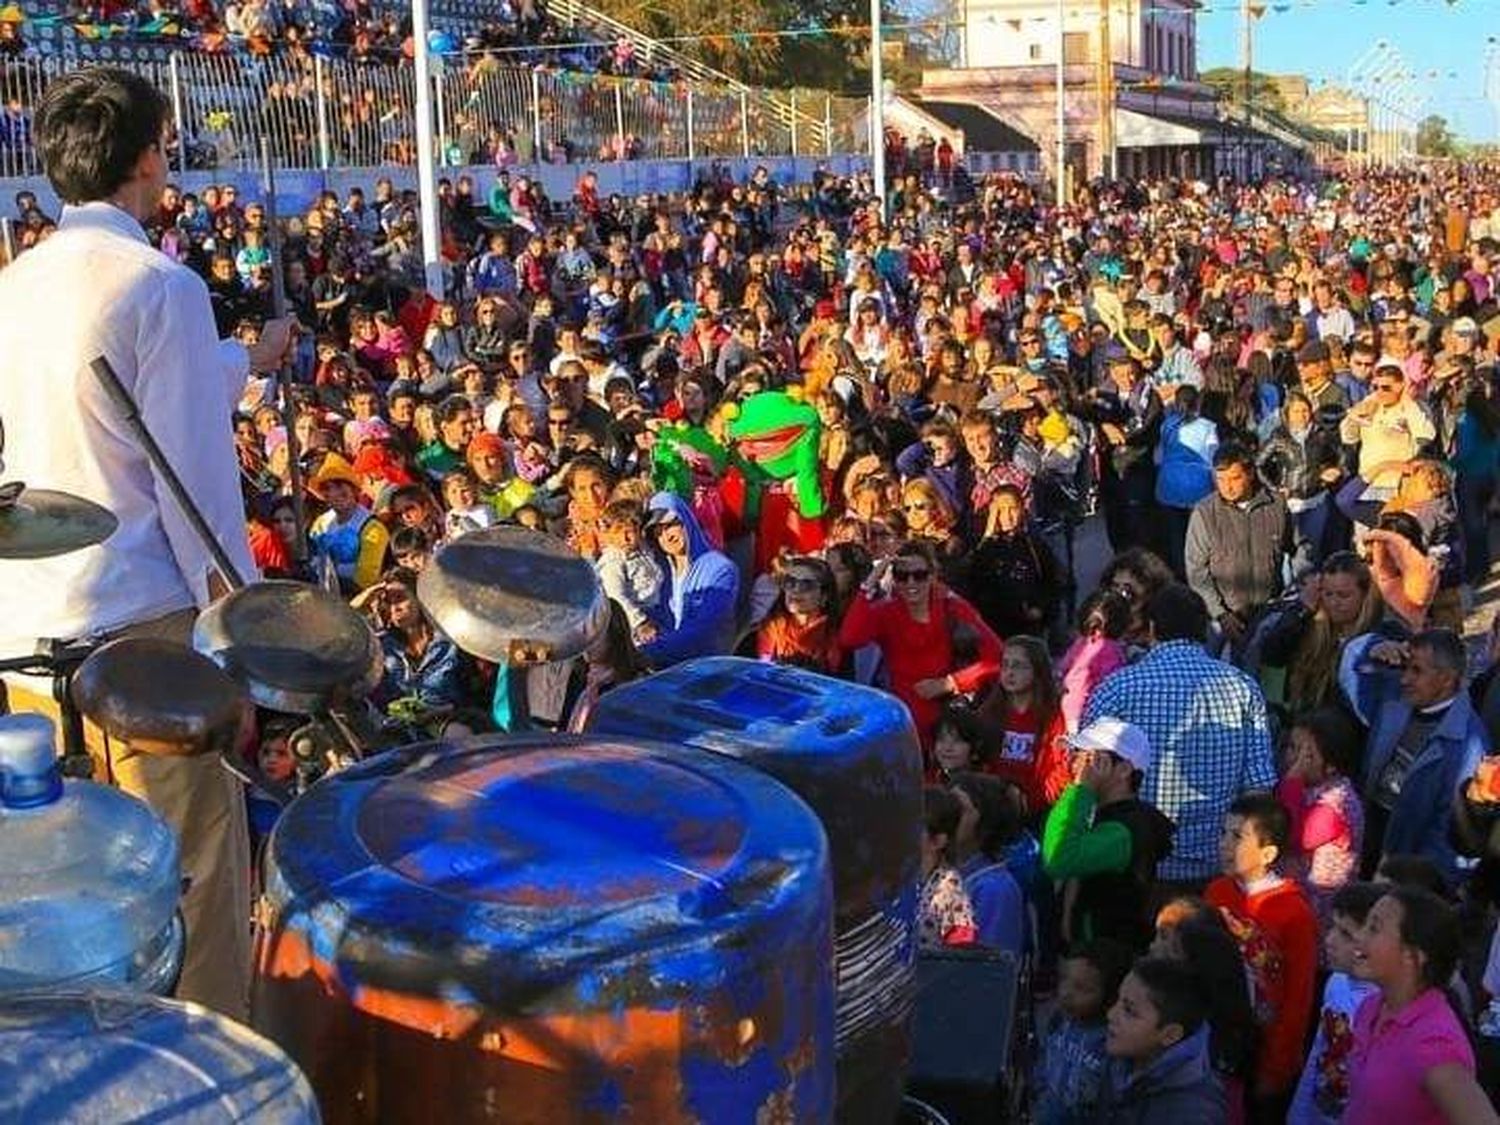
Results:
x,y
1207,723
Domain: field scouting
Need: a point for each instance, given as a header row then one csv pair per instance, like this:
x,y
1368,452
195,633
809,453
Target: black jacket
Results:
x,y
1014,582
1116,903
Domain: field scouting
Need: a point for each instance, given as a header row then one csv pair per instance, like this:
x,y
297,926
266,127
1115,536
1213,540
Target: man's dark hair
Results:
x,y
1233,453
1269,816
1175,992
1176,613
409,541
93,126
450,408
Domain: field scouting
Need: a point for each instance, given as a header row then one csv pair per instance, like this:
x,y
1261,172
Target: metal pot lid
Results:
x,y
514,596
155,692
295,647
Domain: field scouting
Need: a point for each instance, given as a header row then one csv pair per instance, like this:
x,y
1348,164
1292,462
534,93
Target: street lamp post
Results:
x,y
877,107
1062,119
432,263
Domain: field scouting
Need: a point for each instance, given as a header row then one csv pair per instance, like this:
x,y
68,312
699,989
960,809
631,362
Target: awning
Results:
x,y
1134,129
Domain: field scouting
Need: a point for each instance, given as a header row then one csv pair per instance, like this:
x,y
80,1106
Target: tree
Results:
x,y
1434,138
828,46
1230,82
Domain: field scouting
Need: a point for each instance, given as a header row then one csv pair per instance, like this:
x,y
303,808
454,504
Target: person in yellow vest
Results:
x,y
347,535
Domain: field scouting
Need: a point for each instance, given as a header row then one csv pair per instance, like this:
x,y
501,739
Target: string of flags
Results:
x,y
165,27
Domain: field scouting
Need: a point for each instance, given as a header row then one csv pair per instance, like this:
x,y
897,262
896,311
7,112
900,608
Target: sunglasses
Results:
x,y
917,506
795,584
911,574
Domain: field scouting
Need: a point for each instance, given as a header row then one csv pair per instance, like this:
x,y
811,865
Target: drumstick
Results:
x,y
132,415
283,374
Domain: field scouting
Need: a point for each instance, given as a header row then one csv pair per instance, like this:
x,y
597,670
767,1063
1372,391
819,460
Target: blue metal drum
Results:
x,y
852,754
121,1056
552,929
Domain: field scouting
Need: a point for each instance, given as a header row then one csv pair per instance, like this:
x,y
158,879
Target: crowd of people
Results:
x,y
363,30
1226,784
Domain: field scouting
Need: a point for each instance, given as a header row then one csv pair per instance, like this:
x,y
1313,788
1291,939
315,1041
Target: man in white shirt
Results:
x,y
1389,427
98,288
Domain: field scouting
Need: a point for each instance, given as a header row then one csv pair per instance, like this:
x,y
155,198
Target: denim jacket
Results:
x,y
1422,821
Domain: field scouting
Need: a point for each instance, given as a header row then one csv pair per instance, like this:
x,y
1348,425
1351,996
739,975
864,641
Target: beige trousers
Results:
x,y
205,805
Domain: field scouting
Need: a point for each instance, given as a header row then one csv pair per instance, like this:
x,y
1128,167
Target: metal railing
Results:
x,y
321,113
784,108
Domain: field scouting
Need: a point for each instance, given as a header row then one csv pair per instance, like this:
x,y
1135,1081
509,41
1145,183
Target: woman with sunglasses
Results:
x,y
802,628
930,519
934,643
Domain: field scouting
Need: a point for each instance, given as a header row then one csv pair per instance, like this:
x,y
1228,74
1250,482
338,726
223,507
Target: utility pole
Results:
x,y
1106,83
1247,65
877,106
1061,159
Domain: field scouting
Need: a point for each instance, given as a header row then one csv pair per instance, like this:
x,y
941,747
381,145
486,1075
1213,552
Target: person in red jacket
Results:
x,y
1277,932
934,643
1023,725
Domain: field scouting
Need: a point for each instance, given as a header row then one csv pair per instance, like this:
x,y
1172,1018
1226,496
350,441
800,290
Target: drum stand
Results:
x,y
59,660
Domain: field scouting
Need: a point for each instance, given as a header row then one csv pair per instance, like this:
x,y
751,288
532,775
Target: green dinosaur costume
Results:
x,y
774,436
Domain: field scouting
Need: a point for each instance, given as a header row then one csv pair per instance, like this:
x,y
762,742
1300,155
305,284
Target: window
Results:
x,y
1035,52
1075,48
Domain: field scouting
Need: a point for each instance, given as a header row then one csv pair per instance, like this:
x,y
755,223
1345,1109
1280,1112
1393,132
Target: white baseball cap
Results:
x,y
1124,740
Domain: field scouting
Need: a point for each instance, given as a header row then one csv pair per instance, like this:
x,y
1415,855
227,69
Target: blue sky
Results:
x,y
1321,38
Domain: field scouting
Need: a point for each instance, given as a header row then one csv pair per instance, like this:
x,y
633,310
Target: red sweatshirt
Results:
x,y
1278,937
922,650
1035,760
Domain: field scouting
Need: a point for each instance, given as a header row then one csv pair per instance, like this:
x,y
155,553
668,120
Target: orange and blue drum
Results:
x,y
552,929
852,754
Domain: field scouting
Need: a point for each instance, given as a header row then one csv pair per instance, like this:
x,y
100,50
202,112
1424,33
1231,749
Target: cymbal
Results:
x,y
38,524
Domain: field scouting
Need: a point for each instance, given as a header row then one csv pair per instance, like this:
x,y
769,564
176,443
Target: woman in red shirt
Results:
x,y
802,627
1023,724
933,642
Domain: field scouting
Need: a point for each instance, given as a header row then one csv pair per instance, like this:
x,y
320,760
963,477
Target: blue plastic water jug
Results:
x,y
89,876
121,1056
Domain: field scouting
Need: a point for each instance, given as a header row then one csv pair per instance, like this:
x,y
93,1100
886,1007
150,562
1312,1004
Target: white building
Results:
x,y
1164,121
1158,36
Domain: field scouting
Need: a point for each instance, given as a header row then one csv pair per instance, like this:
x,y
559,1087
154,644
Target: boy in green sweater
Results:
x,y
1104,840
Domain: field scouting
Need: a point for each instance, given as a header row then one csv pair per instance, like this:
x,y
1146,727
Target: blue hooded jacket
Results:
x,y
1179,1087
702,602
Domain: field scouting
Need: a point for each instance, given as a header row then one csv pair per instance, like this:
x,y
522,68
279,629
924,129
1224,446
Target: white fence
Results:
x,y
321,113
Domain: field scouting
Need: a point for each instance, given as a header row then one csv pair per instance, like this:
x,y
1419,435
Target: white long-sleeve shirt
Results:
x,y
97,287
